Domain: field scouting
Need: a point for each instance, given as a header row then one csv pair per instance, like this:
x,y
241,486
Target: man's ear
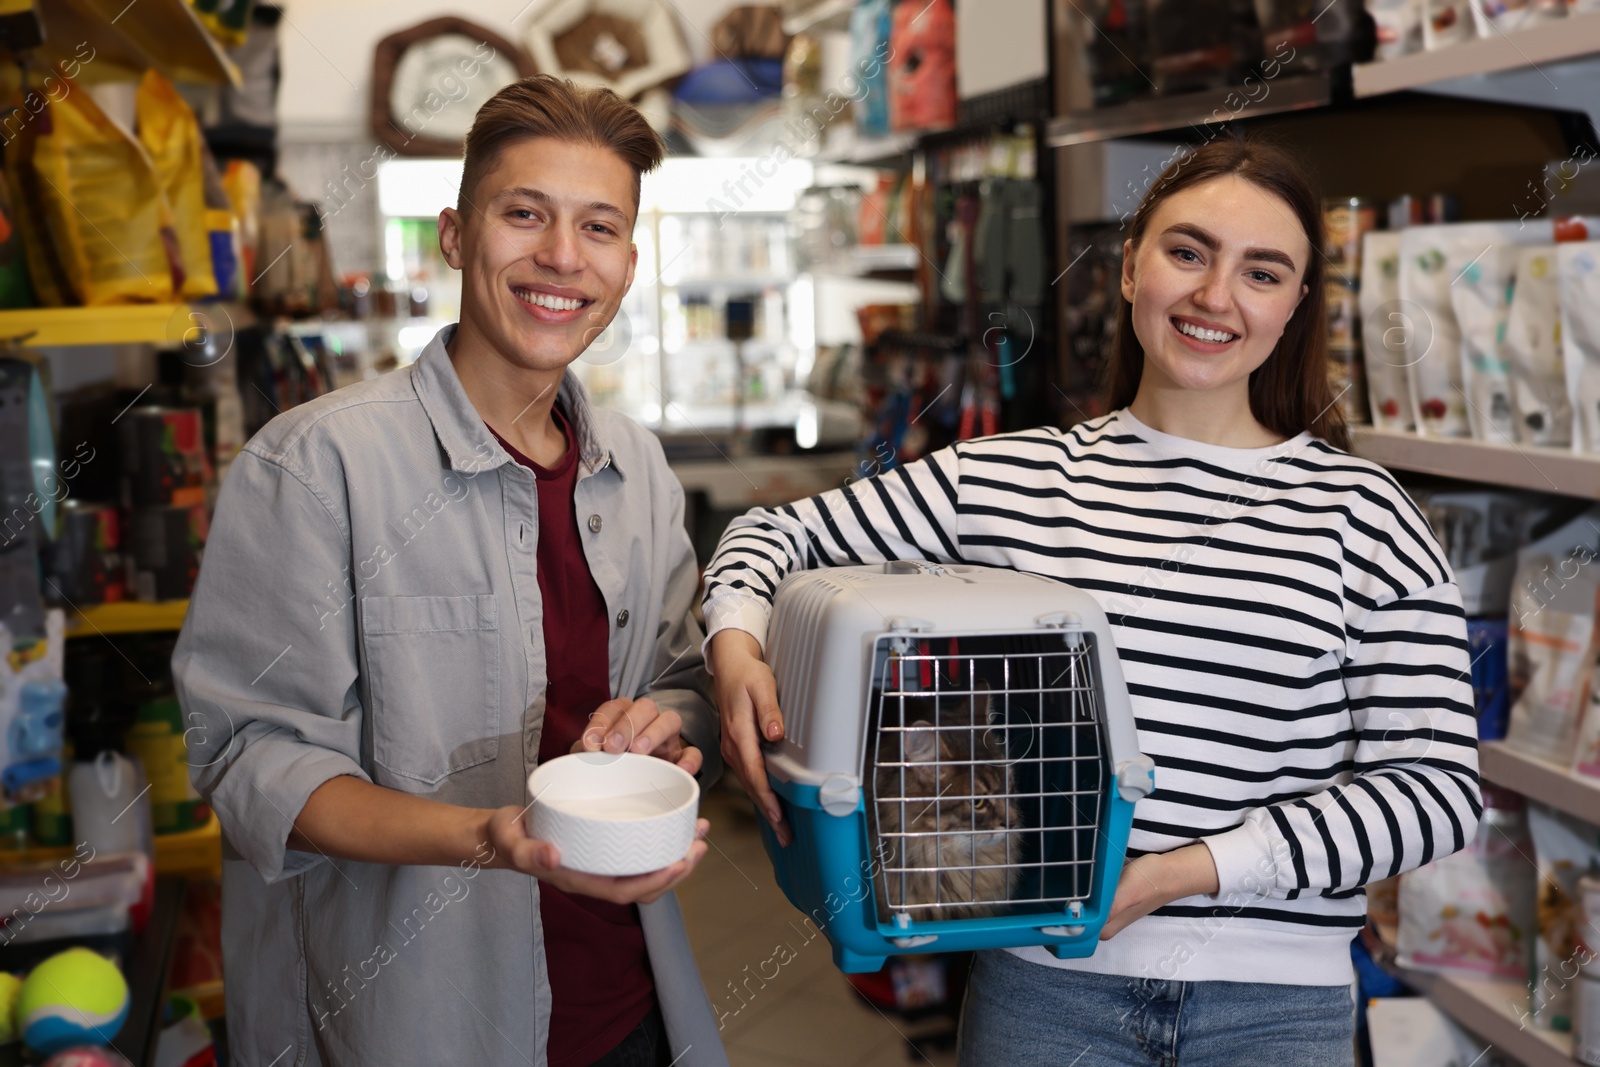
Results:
x,y
450,223
633,264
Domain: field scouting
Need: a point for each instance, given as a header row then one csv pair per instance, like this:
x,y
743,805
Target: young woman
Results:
x,y
1292,638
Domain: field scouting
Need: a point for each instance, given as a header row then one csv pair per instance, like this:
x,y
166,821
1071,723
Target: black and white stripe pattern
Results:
x,y
1291,635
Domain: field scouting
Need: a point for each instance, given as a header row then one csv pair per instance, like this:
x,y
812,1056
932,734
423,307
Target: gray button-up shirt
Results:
x,y
369,606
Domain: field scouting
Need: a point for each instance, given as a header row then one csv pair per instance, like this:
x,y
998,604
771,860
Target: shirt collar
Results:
x,y
467,442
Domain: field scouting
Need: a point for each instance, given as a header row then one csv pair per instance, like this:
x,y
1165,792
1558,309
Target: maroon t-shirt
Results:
x,y
600,976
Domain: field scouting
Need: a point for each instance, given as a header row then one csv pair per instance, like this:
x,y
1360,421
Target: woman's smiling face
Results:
x,y
1215,278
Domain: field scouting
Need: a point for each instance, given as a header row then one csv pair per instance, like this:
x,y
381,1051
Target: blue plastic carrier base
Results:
x,y
832,879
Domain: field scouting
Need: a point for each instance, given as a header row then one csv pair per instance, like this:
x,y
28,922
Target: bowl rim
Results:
x,y
691,802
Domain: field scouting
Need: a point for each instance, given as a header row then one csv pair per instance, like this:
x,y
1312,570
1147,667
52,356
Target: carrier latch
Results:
x,y
839,795
1136,778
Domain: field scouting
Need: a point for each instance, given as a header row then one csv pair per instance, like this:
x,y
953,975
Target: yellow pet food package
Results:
x,y
170,135
107,224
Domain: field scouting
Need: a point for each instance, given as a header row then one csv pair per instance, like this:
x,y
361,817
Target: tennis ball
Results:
x,y
10,986
75,997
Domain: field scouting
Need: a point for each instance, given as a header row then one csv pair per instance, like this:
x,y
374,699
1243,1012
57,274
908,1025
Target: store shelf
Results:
x,y
1516,466
733,281
191,854
870,258
1546,782
1183,110
884,151
167,35
128,617
1496,1011
156,324
1546,42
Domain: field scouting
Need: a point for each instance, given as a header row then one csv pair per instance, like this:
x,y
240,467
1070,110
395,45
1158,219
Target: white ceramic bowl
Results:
x,y
613,814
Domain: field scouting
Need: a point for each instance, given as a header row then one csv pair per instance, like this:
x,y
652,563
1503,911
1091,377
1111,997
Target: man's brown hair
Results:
x,y
546,106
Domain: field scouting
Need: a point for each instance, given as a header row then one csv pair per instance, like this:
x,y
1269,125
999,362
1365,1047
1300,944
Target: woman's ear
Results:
x,y
1127,270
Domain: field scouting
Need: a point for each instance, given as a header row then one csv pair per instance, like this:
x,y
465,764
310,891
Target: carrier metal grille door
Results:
x,y
987,774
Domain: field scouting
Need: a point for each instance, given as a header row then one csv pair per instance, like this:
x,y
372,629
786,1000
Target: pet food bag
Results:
x,y
1578,284
107,233
1565,849
1473,910
869,56
1533,346
1433,348
1551,638
170,135
1448,22
1503,15
1479,295
1399,26
1386,333
922,66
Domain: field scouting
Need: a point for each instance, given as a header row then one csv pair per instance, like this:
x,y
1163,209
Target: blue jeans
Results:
x,y
1022,1014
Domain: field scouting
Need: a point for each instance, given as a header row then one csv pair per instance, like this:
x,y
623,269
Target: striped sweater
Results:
x,y
1292,639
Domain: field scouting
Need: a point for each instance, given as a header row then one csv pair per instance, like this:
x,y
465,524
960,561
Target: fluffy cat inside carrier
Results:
x,y
941,797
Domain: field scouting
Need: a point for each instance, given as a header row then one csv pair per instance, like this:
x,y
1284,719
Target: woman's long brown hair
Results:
x,y
1289,393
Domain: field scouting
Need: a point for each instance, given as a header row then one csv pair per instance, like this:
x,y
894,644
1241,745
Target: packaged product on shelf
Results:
x,y
1201,44
1387,333
1399,26
1432,355
1440,391
32,710
870,23
16,291
1565,849
1491,695
1532,344
164,461
922,67
1478,295
1473,910
1578,270
85,564
242,183
1347,221
1551,638
1448,22
167,545
171,136
96,225
157,742
1517,14
50,823
1116,53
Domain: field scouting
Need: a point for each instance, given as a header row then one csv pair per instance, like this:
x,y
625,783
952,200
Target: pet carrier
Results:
x,y
959,763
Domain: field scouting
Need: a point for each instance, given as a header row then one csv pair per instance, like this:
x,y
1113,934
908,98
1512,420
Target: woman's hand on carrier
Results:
x,y
624,725
1155,880
747,698
511,848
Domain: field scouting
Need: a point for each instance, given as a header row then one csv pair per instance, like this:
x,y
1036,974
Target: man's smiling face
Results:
x,y
545,249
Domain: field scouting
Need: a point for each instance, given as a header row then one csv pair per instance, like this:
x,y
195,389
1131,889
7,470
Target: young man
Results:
x,y
417,589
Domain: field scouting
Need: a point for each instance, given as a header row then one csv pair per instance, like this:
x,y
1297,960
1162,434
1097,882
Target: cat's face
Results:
x,y
956,782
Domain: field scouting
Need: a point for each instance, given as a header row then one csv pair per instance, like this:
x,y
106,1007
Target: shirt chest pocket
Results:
x,y
433,667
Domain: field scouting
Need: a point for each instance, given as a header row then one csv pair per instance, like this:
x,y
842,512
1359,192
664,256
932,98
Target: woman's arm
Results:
x,y
907,513
1414,797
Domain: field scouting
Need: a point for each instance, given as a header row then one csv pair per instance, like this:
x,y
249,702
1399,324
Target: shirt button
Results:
x,y
594,524
622,618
